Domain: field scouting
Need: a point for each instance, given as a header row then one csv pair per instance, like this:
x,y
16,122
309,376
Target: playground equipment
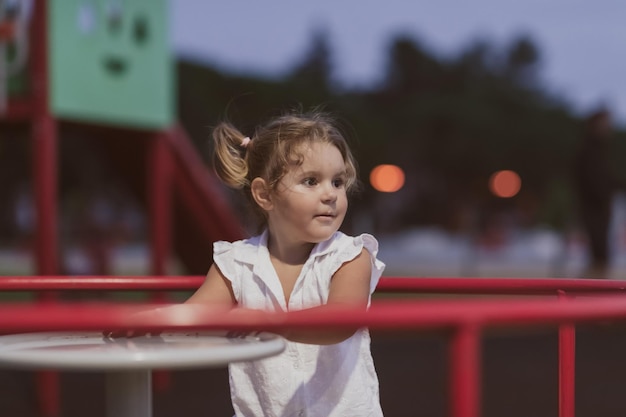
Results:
x,y
128,363
110,62
105,66
464,320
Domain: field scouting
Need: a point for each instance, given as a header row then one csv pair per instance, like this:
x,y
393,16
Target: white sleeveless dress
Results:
x,y
305,380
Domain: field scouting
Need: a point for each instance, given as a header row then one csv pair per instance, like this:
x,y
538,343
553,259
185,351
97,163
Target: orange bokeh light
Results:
x,y
505,183
387,178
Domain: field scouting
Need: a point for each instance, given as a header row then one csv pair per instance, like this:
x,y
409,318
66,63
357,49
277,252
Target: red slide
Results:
x,y
201,212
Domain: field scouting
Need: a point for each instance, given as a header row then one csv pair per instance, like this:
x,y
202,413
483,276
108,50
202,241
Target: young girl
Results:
x,y
296,172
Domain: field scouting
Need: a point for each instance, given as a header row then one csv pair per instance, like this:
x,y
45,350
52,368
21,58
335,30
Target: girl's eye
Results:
x,y
339,182
309,181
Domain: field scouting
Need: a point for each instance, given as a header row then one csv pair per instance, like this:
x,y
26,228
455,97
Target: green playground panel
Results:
x,y
110,62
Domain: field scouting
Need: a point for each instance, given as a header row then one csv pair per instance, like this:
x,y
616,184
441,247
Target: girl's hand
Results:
x,y
244,313
109,335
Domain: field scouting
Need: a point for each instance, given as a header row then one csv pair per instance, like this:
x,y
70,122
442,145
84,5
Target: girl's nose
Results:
x,y
329,194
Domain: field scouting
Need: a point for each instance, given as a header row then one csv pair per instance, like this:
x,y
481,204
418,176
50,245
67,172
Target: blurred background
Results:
x,y
467,120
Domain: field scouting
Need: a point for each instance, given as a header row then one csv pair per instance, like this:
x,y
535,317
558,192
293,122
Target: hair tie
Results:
x,y
245,142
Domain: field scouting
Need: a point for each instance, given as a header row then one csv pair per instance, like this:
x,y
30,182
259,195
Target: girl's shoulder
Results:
x,y
341,248
345,246
240,249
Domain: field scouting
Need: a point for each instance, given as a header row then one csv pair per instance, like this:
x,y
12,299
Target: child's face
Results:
x,y
310,201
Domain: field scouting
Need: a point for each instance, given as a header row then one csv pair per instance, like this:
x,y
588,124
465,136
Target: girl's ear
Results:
x,y
261,193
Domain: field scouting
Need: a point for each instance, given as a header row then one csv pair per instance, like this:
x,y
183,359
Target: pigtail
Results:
x,y
229,155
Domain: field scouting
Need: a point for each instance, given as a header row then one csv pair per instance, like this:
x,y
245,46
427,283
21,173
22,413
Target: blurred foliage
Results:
x,y
450,123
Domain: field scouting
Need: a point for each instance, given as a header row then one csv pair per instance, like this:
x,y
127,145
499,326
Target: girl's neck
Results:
x,y
292,253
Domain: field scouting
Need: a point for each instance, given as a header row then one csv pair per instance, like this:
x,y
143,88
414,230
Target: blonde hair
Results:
x,y
273,149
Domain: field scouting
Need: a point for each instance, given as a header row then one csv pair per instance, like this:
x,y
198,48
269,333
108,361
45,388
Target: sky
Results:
x,y
582,42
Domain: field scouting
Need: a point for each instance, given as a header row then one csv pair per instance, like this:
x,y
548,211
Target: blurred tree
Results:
x,y
450,123
522,61
313,74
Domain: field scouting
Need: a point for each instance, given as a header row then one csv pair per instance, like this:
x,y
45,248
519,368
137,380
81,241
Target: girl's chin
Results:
x,y
322,236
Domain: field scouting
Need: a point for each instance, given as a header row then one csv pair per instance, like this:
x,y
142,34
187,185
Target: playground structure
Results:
x,y
140,137
51,45
464,322
187,213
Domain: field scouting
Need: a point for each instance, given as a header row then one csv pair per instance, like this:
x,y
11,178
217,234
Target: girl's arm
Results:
x,y
350,286
216,290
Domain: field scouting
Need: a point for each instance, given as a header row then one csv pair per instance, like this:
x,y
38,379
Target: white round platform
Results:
x,y
93,351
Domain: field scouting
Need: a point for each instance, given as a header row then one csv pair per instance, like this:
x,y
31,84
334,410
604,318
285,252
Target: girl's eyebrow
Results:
x,y
310,173
313,173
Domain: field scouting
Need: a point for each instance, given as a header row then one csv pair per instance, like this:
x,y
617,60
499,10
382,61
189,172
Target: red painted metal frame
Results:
x,y
159,187
108,283
383,314
44,136
467,318
499,286
567,365
465,371
44,147
35,109
192,180
417,285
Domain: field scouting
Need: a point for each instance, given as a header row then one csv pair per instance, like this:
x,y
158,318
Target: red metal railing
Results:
x,y
467,319
417,285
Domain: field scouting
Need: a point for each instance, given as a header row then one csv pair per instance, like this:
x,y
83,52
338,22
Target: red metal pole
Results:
x,y
534,286
45,178
465,371
101,283
515,286
160,197
567,367
385,315
44,148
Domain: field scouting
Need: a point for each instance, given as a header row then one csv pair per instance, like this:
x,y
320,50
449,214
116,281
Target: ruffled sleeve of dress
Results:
x,y
224,258
349,247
